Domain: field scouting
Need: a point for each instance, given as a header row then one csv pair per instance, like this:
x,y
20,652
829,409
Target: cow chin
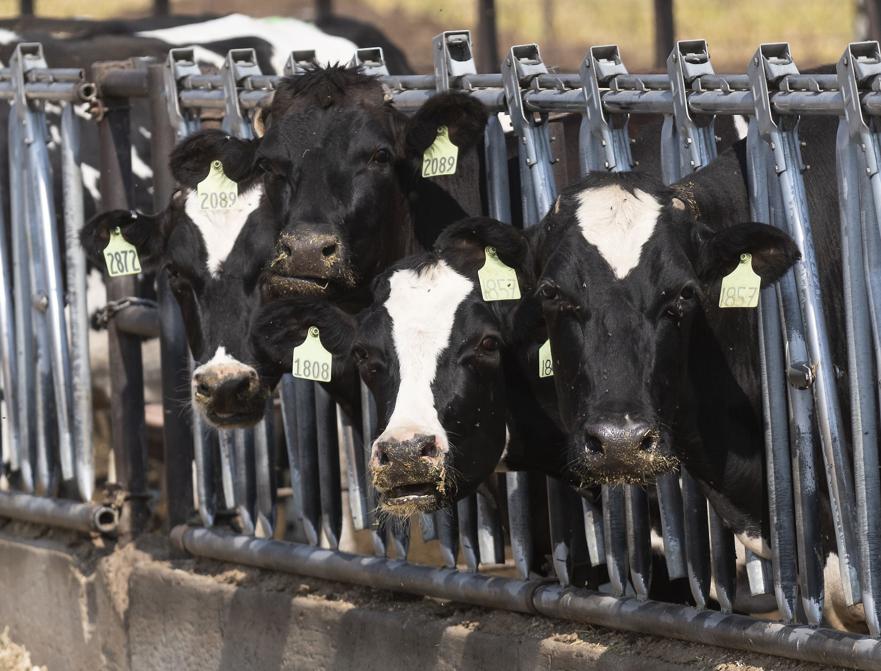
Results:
x,y
276,286
244,416
416,492
632,467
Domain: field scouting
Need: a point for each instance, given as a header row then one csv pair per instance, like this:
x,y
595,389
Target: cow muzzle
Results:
x,y
619,450
410,474
308,262
229,394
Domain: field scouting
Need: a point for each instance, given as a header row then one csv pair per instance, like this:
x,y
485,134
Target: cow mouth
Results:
x,y
406,500
632,467
282,286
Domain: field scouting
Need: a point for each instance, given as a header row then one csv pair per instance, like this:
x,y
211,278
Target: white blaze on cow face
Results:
x,y
618,223
220,228
422,306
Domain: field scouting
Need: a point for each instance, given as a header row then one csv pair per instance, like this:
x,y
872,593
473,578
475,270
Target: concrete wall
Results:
x,y
80,606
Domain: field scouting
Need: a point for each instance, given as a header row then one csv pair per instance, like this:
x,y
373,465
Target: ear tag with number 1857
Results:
x,y
217,191
545,360
441,157
498,282
121,256
740,288
311,360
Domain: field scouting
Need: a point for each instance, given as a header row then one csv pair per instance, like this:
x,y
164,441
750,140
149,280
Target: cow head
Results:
x,y
342,173
430,349
213,259
628,271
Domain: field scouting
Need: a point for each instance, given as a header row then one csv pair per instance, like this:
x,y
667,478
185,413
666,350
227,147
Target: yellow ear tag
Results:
x,y
545,360
121,256
441,157
498,282
217,191
311,360
740,288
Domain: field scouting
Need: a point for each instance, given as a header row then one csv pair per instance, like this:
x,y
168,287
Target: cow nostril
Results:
x,y
203,388
593,444
329,250
382,455
429,449
649,442
285,249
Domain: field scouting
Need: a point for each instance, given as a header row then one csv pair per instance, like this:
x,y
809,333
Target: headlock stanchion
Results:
x,y
47,451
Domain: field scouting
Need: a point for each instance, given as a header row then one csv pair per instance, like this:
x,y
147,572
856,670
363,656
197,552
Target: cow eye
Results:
x,y
381,156
549,292
489,344
687,292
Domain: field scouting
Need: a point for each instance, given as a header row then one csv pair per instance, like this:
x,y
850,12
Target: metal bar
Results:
x,y
264,485
369,432
649,617
349,436
517,487
81,374
287,395
490,539
697,549
672,524
468,539
639,549
226,449
447,521
328,466
723,559
615,535
205,449
85,517
307,449
243,477
593,531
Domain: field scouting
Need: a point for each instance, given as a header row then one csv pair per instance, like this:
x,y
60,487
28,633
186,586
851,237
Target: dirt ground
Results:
x,y
13,657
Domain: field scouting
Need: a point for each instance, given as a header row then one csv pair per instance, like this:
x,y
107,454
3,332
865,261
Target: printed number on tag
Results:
x,y
217,191
545,360
498,282
311,360
121,256
740,288
441,157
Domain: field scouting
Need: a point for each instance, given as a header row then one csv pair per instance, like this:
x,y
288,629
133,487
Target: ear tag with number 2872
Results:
x,y
121,256
441,157
545,360
217,191
740,288
311,360
498,282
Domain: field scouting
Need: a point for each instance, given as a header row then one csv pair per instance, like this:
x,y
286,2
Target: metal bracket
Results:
x,y
181,63
858,71
801,375
523,62
687,63
371,60
453,57
240,64
300,61
26,57
770,64
599,69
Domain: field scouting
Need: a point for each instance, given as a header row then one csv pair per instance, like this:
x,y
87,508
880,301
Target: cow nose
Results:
x,y
307,253
226,389
615,438
392,451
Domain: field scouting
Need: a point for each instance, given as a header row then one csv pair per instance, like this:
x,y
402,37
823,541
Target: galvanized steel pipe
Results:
x,y
86,517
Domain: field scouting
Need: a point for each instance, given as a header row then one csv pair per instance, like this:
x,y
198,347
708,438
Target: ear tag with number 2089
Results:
x,y
121,256
311,360
498,282
441,157
217,191
740,288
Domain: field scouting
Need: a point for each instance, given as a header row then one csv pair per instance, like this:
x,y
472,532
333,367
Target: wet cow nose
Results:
x,y
616,438
307,252
225,389
392,452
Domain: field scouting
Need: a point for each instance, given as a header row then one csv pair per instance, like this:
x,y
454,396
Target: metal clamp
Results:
x,y
858,72
26,57
300,61
371,60
687,63
239,66
453,57
600,68
101,317
770,64
523,62
181,63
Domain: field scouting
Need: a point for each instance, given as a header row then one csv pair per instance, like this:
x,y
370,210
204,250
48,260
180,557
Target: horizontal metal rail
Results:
x,y
85,517
807,644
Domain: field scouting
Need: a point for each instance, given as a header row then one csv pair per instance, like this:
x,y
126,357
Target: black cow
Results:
x,y
216,260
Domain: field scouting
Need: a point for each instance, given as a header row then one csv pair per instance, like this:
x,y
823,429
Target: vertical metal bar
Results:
x,y
758,574
181,437
723,557
517,486
328,466
243,478
226,449
696,542
126,373
350,438
468,540
448,535
428,527
369,432
490,540
205,447
287,394
81,374
672,525
307,446
593,531
639,549
11,436
615,534
264,466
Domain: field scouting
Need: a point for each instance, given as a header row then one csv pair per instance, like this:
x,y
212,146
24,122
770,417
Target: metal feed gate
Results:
x,y
234,471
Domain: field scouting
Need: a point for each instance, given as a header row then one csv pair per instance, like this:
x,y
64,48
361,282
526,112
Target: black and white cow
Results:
x,y
216,259
455,377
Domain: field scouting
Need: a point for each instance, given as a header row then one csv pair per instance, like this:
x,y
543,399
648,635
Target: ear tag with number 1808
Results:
x,y
740,288
311,360
217,191
498,282
441,157
121,256
545,360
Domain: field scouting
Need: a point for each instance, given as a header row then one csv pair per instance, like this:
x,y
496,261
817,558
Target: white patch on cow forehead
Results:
x,y
220,228
422,306
618,223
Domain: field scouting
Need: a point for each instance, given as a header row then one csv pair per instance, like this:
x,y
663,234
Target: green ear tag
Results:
x,y
441,157
545,360
498,282
121,256
217,191
311,360
740,288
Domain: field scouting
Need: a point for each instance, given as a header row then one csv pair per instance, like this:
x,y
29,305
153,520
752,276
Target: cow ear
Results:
x,y
463,245
141,230
281,325
718,252
464,117
191,158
